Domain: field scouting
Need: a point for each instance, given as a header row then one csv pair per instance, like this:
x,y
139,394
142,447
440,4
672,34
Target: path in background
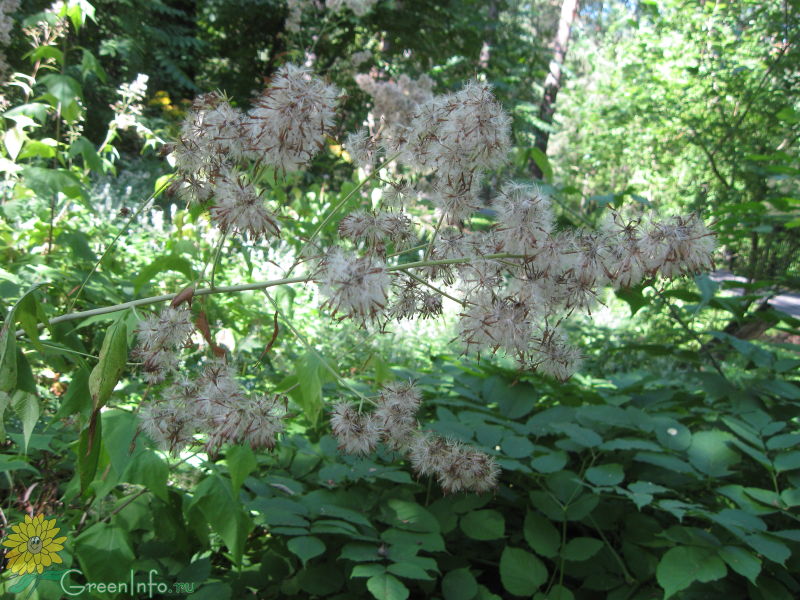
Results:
x,y
788,303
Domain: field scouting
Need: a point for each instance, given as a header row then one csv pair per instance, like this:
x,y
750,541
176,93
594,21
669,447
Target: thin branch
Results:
x,y
257,285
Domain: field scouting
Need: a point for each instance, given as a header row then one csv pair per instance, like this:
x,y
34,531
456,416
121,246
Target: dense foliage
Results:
x,y
666,466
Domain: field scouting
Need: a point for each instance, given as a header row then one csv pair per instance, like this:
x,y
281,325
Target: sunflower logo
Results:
x,y
33,545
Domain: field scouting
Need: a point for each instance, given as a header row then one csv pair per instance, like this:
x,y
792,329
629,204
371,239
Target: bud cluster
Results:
x,y
457,466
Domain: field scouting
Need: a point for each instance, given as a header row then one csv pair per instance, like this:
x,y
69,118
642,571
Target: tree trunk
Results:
x,y
569,10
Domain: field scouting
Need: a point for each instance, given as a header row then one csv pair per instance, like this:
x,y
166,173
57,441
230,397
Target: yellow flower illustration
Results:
x,y
34,545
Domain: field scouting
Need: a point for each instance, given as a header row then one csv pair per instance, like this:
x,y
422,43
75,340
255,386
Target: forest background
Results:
x,y
666,466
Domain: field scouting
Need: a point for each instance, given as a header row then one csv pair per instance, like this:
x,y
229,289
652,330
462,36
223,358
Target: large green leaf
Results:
x,y
521,572
515,401
541,535
582,548
683,565
241,462
306,547
214,498
711,454
105,553
386,586
412,516
149,469
743,562
483,524
113,356
459,584
26,405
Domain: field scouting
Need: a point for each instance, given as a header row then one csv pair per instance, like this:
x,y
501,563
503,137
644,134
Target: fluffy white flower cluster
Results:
x,y
159,338
213,405
519,280
356,287
288,124
129,106
457,467
284,130
238,207
376,228
395,102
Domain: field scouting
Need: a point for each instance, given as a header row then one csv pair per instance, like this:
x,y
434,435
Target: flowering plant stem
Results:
x,y
309,348
245,287
338,207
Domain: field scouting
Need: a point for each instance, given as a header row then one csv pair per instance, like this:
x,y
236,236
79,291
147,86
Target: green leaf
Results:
x,y
113,356
8,464
550,463
105,553
557,592
785,440
149,469
241,462
367,570
8,354
29,313
634,297
786,461
409,571
170,262
541,160
306,547
214,498
360,552
741,561
90,65
459,584
91,159
89,444
541,535
14,139
580,435
120,438
386,586
608,474
430,542
412,516
710,453
22,583
311,374
26,405
521,572
515,401
483,525
768,547
683,565
582,548
63,88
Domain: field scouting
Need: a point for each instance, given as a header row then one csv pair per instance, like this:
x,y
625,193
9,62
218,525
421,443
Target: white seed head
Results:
x,y
289,122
